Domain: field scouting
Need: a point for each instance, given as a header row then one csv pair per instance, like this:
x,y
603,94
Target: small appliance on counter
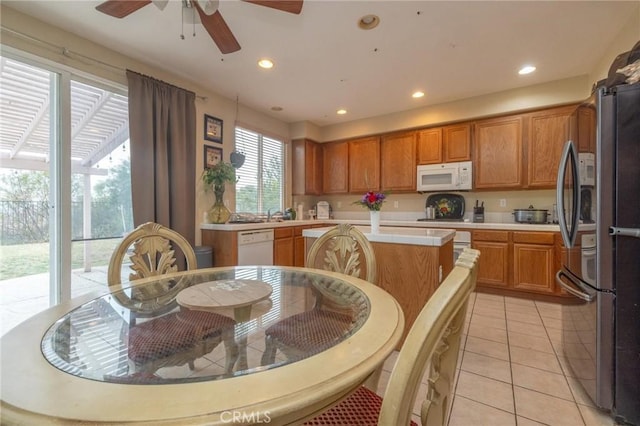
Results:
x,y
444,206
478,213
323,210
531,215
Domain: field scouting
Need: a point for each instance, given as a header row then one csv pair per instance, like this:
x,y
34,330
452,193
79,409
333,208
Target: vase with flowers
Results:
x,y
373,202
216,177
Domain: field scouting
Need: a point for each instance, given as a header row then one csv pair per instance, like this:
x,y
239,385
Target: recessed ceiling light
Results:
x,y
527,69
368,22
265,63
417,94
341,111
276,108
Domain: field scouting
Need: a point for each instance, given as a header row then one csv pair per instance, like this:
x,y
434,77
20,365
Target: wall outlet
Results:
x,y
503,202
395,204
339,204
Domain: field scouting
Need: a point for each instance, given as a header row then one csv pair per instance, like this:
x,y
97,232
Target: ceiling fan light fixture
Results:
x,y
265,63
368,22
209,7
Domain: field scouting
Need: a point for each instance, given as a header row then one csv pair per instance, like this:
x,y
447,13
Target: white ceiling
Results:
x,y
449,49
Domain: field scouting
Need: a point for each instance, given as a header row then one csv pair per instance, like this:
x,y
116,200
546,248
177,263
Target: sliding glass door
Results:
x,y
65,195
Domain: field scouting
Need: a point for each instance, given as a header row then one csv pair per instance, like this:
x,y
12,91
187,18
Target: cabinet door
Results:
x,y
307,167
283,252
533,267
548,131
586,129
493,267
430,146
364,165
335,172
456,143
298,246
498,153
398,162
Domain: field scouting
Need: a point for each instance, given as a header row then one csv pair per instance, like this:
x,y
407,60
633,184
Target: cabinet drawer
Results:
x,y
534,237
498,236
282,233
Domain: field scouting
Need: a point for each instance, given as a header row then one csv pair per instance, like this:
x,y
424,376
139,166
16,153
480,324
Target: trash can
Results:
x,y
204,256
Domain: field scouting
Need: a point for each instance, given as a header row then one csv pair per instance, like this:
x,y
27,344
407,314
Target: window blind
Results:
x,y
260,186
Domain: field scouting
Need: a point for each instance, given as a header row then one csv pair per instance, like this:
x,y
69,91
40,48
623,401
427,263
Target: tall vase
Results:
x,y
375,221
219,213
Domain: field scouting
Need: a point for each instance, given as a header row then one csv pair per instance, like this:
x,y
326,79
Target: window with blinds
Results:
x,y
260,186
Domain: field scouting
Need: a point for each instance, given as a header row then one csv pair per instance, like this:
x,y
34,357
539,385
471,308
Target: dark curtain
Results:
x,y
162,122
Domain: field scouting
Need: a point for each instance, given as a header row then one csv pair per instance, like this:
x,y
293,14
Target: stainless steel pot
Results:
x,y
531,215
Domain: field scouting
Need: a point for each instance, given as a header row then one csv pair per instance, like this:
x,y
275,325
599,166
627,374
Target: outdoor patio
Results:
x,y
20,298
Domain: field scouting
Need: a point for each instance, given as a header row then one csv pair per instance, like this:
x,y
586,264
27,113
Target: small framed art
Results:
x,y
212,129
212,156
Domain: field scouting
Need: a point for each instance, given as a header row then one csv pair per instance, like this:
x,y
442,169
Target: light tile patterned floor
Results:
x,y
511,369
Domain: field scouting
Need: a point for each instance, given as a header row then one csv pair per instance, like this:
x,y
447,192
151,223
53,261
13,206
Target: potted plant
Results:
x,y
217,177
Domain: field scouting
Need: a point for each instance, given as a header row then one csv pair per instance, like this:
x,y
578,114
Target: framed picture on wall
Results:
x,y
212,156
212,129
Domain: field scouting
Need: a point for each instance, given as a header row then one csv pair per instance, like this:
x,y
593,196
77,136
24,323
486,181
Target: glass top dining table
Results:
x,y
192,345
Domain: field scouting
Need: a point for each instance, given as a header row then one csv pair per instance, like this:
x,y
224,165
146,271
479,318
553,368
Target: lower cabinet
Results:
x,y
517,261
283,246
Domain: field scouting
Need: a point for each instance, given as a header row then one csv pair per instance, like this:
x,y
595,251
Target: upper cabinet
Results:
x,y
548,131
444,144
335,170
430,146
456,143
586,129
398,165
364,164
307,167
498,153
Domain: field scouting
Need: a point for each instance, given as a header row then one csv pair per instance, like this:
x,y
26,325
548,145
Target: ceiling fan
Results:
x,y
208,11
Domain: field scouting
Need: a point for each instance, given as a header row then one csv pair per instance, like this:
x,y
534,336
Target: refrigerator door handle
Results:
x,y
624,232
576,288
568,154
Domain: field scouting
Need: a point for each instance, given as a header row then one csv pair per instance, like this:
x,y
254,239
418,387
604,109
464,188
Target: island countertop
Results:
x,y
397,235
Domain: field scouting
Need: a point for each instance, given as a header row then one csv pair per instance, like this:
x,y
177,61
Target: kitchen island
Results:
x,y
411,263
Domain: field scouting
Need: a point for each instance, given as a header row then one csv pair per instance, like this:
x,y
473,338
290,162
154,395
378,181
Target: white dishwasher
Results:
x,y
255,247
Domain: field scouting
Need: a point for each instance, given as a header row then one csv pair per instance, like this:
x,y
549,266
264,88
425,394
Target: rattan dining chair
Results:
x,y
342,249
176,338
434,342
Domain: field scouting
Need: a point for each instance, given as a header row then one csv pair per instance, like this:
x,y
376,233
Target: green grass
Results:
x,y
29,259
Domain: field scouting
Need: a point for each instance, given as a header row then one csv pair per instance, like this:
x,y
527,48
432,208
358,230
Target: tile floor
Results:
x,y
511,370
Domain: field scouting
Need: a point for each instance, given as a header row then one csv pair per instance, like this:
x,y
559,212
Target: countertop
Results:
x,y
388,223
397,235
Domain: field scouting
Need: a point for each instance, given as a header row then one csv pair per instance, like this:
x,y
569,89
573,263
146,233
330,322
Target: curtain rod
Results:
x,y
71,54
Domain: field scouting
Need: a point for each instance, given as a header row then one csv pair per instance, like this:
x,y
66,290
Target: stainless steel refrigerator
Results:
x,y
601,260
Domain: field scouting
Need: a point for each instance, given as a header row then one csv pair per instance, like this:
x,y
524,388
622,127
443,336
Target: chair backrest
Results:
x,y
434,341
344,249
153,253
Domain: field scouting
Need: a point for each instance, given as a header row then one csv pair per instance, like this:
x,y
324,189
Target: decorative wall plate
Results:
x,y
448,206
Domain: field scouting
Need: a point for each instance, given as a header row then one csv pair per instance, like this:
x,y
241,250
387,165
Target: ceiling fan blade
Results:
x,y
218,30
291,6
121,8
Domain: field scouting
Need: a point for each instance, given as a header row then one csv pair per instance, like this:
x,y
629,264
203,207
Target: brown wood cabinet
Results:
x,y
298,246
364,164
548,131
456,143
335,168
586,129
498,153
493,268
307,167
518,261
533,262
398,162
430,146
283,246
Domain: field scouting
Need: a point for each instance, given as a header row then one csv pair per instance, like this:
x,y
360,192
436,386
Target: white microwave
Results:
x,y
445,177
587,171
